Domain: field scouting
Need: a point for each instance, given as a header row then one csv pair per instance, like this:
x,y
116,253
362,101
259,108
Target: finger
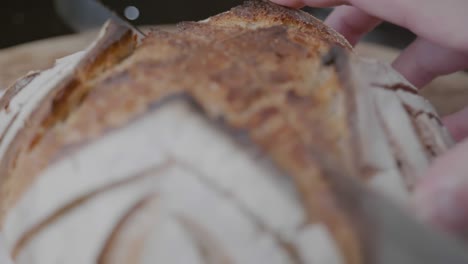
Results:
x,y
441,198
441,22
457,124
351,22
422,61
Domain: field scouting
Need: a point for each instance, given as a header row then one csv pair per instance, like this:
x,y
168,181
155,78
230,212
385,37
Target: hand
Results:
x,y
441,48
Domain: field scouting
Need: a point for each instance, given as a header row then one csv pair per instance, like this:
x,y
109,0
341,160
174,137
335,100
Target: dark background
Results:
x,y
27,20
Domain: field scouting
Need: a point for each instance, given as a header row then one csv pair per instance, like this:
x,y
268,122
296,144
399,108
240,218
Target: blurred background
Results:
x,y
28,20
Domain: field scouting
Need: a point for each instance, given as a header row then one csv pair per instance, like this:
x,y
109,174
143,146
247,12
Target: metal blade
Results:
x,y
117,17
392,234
84,15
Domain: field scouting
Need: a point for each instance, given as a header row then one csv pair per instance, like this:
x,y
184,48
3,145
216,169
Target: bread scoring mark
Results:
x,y
258,222
104,57
211,250
397,87
13,90
113,47
108,246
7,127
397,153
58,214
417,113
426,134
25,106
430,115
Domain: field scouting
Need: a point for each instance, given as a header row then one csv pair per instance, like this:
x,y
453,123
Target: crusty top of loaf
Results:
x,y
261,13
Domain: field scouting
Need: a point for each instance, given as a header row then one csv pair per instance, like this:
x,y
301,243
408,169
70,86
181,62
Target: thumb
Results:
x,y
441,198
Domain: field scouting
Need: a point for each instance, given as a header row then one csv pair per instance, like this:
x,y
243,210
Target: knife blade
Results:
x,y
116,17
84,15
392,233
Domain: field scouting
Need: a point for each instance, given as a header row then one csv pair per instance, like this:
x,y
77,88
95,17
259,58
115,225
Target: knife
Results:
x,y
393,236
84,15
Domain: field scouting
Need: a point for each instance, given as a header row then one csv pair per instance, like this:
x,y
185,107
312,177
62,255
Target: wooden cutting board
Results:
x,y
448,94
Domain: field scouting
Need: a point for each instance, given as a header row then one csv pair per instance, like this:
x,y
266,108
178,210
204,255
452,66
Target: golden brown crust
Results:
x,y
262,13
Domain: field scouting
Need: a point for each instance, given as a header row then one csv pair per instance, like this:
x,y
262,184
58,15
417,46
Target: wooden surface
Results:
x,y
449,93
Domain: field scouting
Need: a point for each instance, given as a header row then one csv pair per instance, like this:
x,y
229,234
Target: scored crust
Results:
x,y
277,75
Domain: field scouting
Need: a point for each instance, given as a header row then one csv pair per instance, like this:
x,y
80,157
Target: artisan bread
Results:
x,y
200,145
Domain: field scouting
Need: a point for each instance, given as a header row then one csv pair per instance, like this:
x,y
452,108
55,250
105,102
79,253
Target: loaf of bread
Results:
x,y
200,145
